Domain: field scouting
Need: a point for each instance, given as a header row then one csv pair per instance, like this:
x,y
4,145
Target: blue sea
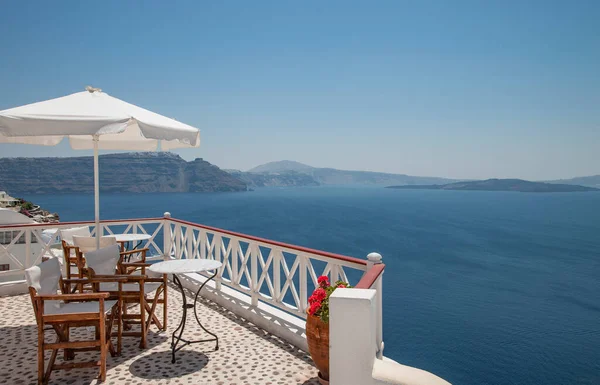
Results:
x,y
480,287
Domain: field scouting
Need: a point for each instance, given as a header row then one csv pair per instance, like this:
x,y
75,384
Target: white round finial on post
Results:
x,y
374,257
167,214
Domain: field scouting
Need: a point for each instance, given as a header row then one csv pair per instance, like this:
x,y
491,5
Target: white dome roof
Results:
x,y
10,217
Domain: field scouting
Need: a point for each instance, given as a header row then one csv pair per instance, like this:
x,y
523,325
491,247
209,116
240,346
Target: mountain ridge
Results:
x,y
589,181
290,172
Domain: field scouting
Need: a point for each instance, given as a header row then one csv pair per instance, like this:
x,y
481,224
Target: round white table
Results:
x,y
183,266
126,238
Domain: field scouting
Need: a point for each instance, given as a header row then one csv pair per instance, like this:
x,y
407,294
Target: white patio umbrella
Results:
x,y
94,120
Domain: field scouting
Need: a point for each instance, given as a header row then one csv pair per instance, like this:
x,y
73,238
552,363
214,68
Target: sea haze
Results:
x,y
479,287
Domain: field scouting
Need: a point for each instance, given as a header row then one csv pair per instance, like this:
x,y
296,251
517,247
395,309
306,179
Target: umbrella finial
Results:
x,y
91,89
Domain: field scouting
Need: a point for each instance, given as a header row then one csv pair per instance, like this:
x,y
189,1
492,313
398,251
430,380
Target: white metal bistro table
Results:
x,y
183,266
126,238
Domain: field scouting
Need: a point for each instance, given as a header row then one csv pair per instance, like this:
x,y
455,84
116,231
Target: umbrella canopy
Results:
x,y
95,120
80,116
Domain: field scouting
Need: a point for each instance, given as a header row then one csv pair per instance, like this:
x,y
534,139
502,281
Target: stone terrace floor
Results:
x,y
246,355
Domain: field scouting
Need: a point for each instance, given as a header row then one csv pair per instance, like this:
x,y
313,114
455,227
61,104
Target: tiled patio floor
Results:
x,y
246,355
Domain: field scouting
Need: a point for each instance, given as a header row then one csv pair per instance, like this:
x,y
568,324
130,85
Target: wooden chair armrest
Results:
x,y
154,279
96,279
134,251
137,277
72,297
135,264
109,278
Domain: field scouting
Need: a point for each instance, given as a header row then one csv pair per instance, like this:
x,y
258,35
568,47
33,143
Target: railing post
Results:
x,y
335,273
374,259
303,282
203,242
216,249
167,236
277,255
254,272
28,259
189,239
233,257
177,241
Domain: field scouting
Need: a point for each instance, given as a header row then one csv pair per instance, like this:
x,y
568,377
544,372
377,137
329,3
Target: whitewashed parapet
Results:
x,y
353,345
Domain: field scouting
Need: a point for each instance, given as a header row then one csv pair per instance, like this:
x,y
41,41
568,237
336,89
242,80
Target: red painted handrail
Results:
x,y
276,243
371,276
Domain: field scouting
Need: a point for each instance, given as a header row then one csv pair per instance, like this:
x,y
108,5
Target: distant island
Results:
x,y
518,185
287,173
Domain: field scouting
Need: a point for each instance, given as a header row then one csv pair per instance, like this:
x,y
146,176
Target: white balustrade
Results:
x,y
24,246
271,272
279,274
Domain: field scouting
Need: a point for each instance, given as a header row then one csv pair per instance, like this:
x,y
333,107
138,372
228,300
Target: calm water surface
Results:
x,y
480,287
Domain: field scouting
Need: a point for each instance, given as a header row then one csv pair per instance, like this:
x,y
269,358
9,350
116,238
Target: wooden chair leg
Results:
x,y
109,326
152,318
119,326
40,353
68,354
50,364
165,290
103,344
143,342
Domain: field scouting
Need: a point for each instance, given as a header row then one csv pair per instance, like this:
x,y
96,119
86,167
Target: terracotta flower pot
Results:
x,y
317,336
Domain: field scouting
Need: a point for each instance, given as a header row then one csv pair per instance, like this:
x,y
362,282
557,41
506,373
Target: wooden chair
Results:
x,y
82,244
73,266
65,311
134,292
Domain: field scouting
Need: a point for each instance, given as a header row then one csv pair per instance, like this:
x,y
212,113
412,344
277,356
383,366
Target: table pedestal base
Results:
x,y
175,340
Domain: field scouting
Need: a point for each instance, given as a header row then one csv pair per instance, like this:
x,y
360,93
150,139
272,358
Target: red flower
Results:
x,y
319,294
312,299
341,285
314,307
323,281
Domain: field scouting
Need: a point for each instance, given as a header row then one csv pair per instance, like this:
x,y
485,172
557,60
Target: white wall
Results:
x,y
353,346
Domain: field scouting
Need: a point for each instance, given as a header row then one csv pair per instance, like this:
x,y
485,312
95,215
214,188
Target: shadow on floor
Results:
x,y
18,349
158,365
304,356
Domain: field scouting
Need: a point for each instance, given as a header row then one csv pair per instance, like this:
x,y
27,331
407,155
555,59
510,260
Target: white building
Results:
x,y
6,200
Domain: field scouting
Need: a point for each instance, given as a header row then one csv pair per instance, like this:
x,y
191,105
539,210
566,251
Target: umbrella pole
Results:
x,y
97,192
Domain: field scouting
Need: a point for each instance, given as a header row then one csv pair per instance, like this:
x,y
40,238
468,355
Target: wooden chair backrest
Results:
x,y
103,261
43,279
67,234
87,244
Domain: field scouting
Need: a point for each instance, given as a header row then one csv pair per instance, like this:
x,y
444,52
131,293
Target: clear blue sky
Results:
x,y
465,89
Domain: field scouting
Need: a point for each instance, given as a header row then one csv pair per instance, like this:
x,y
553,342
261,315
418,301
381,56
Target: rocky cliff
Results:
x,y
128,172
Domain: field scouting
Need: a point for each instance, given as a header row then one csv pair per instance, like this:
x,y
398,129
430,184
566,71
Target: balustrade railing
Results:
x,y
275,273
25,245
